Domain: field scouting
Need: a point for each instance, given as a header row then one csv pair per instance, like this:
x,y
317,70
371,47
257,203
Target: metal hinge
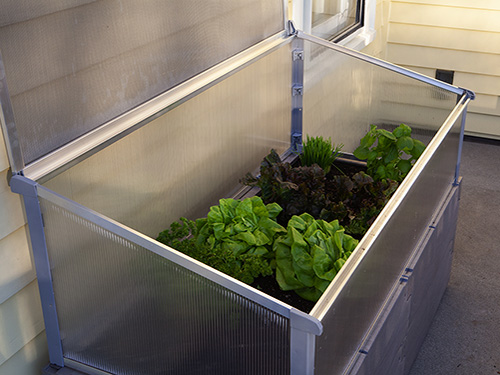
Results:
x,y
297,90
297,55
297,142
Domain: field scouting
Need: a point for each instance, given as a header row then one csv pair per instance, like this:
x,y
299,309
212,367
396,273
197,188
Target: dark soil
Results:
x,y
270,286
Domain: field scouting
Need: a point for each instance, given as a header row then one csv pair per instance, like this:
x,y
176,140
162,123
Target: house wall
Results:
x,y
377,48
458,35
23,347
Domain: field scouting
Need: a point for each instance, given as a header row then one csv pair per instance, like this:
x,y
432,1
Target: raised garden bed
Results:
x,y
291,236
115,300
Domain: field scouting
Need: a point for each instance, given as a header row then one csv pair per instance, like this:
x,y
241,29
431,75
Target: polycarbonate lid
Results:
x,y
71,66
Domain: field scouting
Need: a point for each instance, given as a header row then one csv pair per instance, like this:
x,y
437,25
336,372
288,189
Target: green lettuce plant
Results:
x,y
311,253
236,237
389,155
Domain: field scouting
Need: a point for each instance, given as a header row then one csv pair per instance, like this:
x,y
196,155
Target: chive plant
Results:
x,y
317,150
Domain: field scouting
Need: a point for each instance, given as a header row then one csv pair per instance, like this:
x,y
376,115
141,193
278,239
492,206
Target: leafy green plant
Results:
x,y
317,150
310,255
236,237
295,189
244,228
356,201
180,236
389,155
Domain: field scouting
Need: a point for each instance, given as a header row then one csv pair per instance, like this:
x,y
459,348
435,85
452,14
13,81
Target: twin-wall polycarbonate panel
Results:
x,y
186,160
126,310
385,250
72,66
343,95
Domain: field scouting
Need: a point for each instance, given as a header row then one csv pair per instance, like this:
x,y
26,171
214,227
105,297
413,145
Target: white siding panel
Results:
x,y
11,213
486,88
4,185
457,18
486,104
16,264
476,4
29,360
481,84
21,321
4,161
479,125
439,37
378,46
479,63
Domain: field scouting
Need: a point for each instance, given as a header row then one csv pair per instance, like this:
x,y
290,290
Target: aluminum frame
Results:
x,y
29,191
297,94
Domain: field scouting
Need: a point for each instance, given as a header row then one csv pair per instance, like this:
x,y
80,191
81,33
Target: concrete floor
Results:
x,y
464,337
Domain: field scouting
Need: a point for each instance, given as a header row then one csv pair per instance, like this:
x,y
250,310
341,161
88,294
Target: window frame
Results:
x,y
357,36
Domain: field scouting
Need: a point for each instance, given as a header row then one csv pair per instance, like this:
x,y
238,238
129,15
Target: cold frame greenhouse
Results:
x,y
120,117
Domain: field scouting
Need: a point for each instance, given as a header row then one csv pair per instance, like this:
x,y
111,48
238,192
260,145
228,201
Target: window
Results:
x,y
336,19
347,22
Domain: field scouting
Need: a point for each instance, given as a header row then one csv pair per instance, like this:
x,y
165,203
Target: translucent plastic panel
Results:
x,y
74,65
128,311
356,307
344,95
186,160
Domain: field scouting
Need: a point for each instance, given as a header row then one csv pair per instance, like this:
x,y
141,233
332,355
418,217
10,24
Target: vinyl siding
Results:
x,y
29,360
378,47
458,35
16,264
23,347
22,321
4,162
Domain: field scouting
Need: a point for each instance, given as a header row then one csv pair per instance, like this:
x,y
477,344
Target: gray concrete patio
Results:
x,y
464,337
